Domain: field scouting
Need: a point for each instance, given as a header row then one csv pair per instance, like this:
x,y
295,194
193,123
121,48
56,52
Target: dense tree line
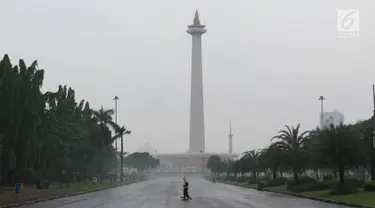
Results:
x,y
336,149
141,161
50,134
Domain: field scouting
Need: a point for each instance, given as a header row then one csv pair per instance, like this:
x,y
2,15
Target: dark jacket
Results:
x,y
186,185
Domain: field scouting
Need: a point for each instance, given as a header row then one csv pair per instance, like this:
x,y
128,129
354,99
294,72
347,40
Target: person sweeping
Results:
x,y
186,189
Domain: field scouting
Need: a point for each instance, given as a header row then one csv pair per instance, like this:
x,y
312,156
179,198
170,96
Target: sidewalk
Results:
x,y
30,193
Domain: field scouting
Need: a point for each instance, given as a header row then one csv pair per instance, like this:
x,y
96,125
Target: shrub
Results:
x,y
276,182
369,186
262,178
329,177
350,184
253,181
312,186
242,178
354,182
343,190
332,183
302,180
223,178
230,178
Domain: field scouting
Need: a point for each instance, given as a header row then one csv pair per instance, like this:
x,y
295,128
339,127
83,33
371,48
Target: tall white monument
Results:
x,y
230,135
197,140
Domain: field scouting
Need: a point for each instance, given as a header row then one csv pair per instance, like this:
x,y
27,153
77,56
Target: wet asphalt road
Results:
x,y
165,193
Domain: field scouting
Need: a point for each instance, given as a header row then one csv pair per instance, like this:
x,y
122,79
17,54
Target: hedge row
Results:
x,y
309,184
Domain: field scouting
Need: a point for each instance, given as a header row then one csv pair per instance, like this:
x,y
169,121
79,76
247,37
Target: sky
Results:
x,y
265,63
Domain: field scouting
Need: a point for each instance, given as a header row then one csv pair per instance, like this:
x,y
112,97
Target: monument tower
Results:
x,y
197,140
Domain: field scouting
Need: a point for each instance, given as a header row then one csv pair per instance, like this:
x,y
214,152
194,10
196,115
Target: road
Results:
x,y
165,193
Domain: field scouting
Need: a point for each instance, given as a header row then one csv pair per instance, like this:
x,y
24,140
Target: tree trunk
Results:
x,y
296,176
122,160
274,172
335,172
341,172
254,175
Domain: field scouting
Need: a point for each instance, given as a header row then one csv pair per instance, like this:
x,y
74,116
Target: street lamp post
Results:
x,y
123,132
321,98
116,99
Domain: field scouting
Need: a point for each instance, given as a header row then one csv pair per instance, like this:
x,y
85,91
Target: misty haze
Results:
x,y
154,100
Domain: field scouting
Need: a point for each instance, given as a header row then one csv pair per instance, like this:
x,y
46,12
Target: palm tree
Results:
x,y
252,157
365,130
229,163
142,161
238,167
272,158
294,144
340,146
120,132
105,120
215,163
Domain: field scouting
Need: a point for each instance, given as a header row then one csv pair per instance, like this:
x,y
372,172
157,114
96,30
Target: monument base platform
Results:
x,y
188,162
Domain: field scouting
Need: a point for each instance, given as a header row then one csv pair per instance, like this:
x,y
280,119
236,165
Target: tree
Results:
x,y
142,161
364,129
294,145
228,165
339,147
272,158
252,158
49,135
120,132
215,164
238,166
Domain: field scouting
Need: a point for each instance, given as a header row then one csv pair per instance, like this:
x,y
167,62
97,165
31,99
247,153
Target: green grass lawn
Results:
x,y
251,185
364,198
277,188
324,193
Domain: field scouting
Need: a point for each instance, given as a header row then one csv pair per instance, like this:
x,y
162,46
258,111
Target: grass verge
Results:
x,y
361,198
30,193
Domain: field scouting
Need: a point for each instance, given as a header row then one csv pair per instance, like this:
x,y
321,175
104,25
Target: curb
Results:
x,y
61,196
320,199
308,197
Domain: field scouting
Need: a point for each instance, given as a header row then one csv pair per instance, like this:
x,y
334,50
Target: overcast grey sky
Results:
x,y
265,63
